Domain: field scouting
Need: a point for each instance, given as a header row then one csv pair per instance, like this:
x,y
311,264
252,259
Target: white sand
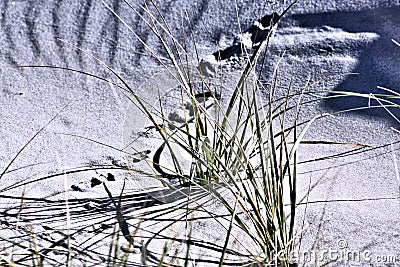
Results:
x,y
354,200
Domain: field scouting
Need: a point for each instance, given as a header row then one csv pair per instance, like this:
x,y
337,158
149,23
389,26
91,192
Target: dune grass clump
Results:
x,y
244,146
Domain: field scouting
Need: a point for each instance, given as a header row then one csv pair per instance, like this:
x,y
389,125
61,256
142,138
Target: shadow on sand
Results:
x,y
378,64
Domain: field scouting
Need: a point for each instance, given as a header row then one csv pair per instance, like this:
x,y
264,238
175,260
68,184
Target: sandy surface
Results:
x,y
354,204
